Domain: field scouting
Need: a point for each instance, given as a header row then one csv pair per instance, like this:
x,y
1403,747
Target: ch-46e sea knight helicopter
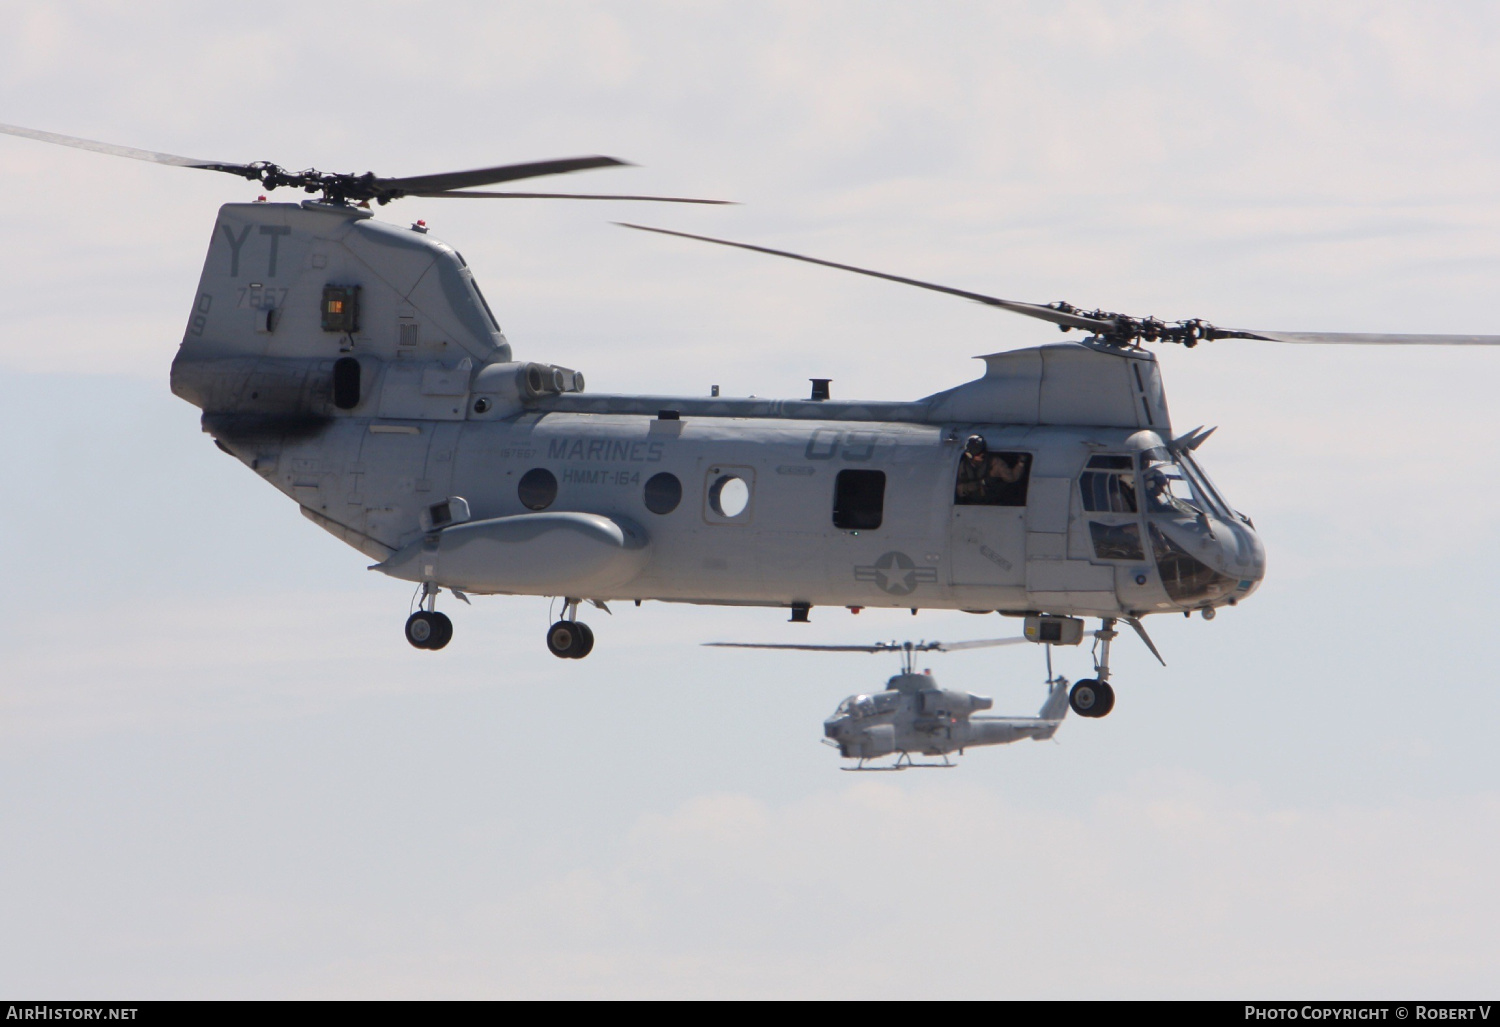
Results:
x,y
356,367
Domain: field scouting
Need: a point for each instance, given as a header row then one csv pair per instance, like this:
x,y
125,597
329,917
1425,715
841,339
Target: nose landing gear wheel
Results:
x,y
1090,698
427,629
570,640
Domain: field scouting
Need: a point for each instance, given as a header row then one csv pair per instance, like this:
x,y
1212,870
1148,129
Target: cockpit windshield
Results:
x,y
1174,483
857,707
1209,490
1169,489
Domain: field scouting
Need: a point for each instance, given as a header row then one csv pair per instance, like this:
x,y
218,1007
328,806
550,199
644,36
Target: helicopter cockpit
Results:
x,y
1204,550
1184,509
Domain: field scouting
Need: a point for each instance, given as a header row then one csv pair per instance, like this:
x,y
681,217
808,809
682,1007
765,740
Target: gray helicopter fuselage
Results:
x,y
913,715
408,431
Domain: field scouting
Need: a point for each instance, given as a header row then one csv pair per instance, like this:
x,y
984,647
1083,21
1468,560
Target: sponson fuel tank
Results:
x,y
549,553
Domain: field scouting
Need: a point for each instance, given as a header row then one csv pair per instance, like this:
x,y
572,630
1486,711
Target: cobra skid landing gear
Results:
x,y
1093,697
428,629
570,638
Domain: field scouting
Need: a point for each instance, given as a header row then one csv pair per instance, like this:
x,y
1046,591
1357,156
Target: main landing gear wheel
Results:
x,y
570,640
1090,698
428,629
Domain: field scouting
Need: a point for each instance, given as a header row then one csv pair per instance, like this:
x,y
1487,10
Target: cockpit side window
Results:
x,y
858,707
1108,485
1168,489
992,478
1117,541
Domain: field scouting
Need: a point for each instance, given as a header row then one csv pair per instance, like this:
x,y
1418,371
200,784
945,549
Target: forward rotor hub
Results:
x,y
336,188
1124,330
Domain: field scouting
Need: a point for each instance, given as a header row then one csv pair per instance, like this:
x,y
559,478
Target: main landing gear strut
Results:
x,y
1093,697
570,638
428,629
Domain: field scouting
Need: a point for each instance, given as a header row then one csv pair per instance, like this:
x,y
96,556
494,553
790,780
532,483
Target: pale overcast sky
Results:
x,y
223,772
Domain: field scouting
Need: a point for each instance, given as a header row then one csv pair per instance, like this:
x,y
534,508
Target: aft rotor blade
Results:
x,y
568,196
983,643
1043,313
125,151
1357,338
448,181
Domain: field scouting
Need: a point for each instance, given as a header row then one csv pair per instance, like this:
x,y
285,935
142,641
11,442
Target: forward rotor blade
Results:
x,y
1029,309
983,643
1357,338
124,151
451,180
568,196
807,648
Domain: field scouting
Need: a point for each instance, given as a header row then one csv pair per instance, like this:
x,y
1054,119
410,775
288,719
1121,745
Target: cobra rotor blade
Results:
x,y
1043,313
127,151
807,648
451,180
1357,338
879,647
567,196
983,643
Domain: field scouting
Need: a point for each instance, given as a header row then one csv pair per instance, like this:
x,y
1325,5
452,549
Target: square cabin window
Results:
x,y
859,500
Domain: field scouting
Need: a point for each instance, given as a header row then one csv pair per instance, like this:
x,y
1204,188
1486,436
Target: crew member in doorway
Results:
x,y
971,469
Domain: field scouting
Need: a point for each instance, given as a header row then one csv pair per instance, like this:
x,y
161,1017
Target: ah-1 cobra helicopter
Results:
x,y
356,366
913,715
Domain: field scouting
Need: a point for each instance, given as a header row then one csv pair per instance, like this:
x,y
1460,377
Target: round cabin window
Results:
x,y
537,488
729,496
663,493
